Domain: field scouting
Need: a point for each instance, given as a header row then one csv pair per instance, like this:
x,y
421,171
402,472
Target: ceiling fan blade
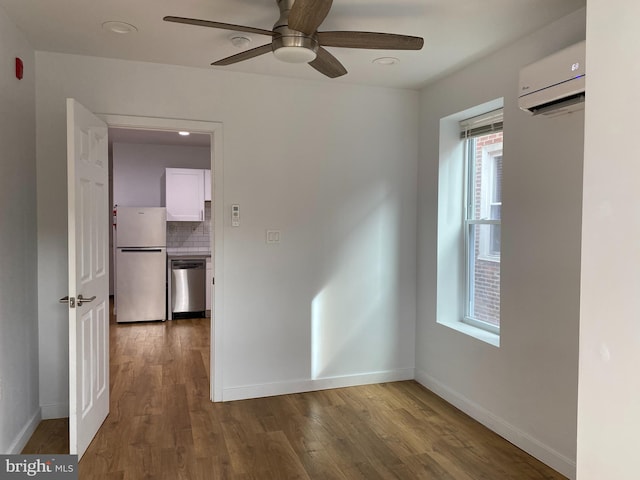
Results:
x,y
225,26
327,64
307,15
239,57
382,41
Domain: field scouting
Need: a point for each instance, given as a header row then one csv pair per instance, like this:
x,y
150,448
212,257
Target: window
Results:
x,y
482,219
469,211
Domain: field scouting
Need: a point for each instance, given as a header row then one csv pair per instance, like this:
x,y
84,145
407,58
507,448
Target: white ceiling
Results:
x,y
455,31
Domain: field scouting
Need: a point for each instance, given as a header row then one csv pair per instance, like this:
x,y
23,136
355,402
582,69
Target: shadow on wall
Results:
x,y
354,317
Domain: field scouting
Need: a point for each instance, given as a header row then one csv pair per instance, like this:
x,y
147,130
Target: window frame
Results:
x,y
470,222
489,155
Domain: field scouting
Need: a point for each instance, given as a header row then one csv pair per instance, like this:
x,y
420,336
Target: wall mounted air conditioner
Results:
x,y
554,85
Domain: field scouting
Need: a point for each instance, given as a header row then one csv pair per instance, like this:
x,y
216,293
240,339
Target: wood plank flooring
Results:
x,y
51,437
162,425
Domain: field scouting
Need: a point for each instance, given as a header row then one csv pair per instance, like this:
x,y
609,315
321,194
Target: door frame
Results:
x,y
217,244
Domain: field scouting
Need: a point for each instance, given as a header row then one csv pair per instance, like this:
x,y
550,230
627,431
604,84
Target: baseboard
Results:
x,y
299,386
57,410
521,439
25,434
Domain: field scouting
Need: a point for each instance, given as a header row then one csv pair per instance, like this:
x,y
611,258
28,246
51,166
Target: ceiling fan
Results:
x,y
296,39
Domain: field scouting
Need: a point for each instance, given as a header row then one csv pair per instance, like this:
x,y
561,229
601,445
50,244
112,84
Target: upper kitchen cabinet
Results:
x,y
207,185
185,194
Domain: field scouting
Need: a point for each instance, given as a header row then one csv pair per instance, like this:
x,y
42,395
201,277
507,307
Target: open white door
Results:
x,y
88,190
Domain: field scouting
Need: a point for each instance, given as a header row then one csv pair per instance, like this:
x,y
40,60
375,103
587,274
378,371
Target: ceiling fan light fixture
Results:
x,y
295,54
295,48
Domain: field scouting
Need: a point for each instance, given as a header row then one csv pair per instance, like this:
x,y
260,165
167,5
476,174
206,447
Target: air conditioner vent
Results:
x,y
563,105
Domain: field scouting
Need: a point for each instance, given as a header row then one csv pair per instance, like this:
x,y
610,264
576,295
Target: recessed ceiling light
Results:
x,y
119,27
240,41
184,134
386,61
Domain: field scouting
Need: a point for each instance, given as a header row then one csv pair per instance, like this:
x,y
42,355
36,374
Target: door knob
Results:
x,y
71,301
82,300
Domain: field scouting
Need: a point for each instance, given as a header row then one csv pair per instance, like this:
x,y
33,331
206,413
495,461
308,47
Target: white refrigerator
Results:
x,y
141,264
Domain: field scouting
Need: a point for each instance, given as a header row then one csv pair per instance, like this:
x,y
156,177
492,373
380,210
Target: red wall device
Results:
x,y
19,69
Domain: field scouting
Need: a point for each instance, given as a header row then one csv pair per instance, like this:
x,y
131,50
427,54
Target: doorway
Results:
x,y
214,130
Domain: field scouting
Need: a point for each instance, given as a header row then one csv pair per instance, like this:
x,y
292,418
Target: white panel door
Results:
x,y
88,209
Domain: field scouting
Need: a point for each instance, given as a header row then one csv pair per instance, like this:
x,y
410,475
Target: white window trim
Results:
x,y
479,333
489,152
486,326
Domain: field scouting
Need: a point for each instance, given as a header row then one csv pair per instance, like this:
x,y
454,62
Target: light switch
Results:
x,y
235,215
273,236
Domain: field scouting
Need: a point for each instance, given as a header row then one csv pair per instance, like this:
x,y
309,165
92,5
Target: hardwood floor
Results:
x,y
51,436
162,425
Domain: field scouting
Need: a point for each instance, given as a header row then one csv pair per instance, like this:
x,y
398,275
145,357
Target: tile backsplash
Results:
x,y
190,237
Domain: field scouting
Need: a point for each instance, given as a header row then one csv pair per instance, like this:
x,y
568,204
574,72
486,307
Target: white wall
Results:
x,y
19,402
332,166
138,170
609,392
526,389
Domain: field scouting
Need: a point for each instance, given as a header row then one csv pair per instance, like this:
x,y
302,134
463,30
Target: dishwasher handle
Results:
x,y
186,264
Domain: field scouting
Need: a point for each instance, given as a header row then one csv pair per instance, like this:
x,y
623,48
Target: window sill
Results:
x,y
475,332
489,258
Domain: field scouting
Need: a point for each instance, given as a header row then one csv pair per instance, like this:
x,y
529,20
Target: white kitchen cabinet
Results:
x,y
209,286
184,194
207,185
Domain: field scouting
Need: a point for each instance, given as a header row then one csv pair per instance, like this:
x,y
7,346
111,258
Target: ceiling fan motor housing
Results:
x,y
291,45
295,48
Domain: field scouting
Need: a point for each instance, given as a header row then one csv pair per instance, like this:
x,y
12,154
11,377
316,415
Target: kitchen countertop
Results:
x,y
187,255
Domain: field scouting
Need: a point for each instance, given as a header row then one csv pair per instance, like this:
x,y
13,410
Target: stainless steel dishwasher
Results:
x,y
188,286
